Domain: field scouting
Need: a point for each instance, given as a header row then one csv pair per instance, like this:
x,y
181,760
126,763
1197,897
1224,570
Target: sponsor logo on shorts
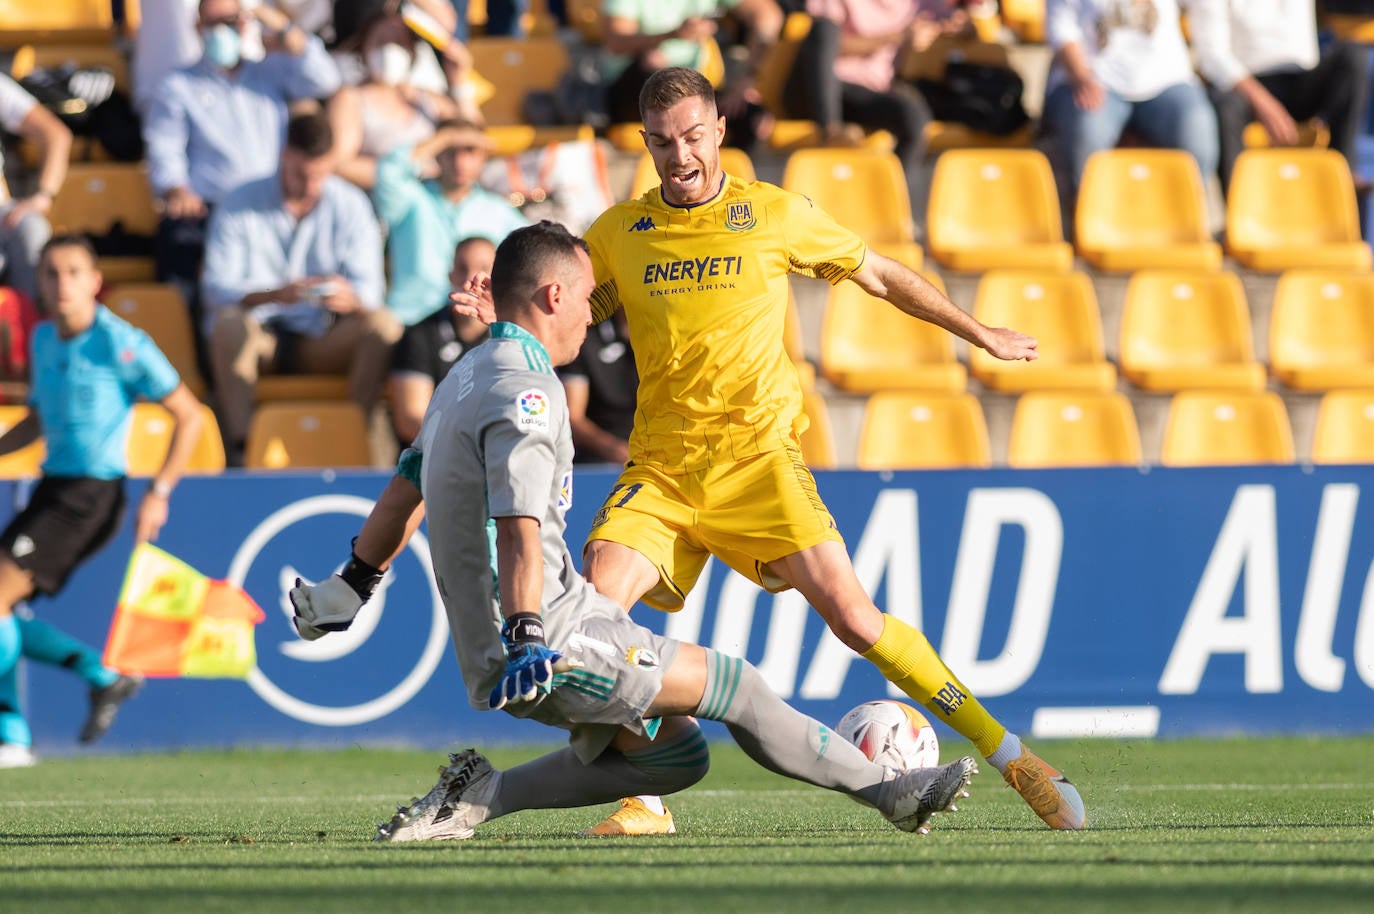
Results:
x,y
739,217
533,406
23,546
642,657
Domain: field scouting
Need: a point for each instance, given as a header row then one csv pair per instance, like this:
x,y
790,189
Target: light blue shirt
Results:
x,y
423,229
254,244
84,390
214,130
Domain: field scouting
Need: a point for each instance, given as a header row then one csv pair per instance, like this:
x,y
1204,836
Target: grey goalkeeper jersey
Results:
x,y
496,442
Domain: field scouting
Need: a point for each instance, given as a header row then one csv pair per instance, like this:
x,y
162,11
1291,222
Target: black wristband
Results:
x,y
361,576
523,628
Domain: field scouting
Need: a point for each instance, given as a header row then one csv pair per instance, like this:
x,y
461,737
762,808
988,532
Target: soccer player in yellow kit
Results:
x,y
701,267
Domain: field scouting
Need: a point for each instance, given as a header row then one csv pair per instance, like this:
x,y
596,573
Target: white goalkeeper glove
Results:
x,y
332,604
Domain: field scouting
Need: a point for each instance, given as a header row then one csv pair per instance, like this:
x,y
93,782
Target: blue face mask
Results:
x,y
222,46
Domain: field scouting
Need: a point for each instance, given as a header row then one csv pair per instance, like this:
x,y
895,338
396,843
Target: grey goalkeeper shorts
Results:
x,y
622,666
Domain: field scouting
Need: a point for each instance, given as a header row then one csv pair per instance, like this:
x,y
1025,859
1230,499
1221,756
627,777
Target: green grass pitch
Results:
x,y
1218,825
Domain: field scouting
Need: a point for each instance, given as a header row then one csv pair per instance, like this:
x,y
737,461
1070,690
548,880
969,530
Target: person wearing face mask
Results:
x,y
219,123
385,111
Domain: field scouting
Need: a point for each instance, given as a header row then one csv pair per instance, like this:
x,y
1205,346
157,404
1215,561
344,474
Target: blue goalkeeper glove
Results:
x,y
530,662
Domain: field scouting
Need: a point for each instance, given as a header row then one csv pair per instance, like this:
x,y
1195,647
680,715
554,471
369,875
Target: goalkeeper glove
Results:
x,y
530,663
332,604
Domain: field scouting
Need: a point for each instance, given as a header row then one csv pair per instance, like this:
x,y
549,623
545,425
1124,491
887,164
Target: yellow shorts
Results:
x,y
747,514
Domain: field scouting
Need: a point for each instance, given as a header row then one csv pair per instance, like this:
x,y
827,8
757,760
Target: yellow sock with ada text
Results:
x,y
906,659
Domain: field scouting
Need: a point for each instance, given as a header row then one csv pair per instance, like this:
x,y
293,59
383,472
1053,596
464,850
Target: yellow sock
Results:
x,y
906,659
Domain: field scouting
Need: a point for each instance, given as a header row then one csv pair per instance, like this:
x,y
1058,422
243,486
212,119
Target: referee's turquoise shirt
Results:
x,y
84,390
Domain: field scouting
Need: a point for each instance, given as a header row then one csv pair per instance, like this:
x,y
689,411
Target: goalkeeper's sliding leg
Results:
x,y
701,683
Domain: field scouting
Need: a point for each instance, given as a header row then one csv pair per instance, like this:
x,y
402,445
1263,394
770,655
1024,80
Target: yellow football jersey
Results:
x,y
705,292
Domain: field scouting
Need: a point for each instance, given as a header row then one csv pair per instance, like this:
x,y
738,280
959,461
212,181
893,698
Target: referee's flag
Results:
x,y
174,621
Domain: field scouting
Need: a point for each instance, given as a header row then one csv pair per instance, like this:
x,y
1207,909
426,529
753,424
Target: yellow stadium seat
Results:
x,y
911,431
992,208
1073,429
274,387
517,66
1058,309
1312,133
1345,428
311,434
864,190
818,441
1291,208
1142,208
734,162
867,345
1183,329
1025,18
55,21
585,16
1350,26
27,462
512,139
1226,428
98,195
777,63
1321,330
909,254
159,310
150,434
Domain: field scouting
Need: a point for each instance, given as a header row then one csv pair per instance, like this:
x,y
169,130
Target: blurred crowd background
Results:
x,y
1170,194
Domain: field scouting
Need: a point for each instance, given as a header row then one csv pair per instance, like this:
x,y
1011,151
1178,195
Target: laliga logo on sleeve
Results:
x,y
339,645
533,408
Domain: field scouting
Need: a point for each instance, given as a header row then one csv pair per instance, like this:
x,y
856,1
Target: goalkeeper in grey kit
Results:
x,y
493,468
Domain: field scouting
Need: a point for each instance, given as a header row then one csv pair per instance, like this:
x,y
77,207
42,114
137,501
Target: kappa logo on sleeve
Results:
x,y
533,410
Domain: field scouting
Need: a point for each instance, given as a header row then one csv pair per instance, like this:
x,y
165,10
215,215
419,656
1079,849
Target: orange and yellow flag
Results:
x,y
174,621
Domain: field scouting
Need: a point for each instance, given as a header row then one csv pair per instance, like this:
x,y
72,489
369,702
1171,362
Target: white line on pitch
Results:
x,y
385,798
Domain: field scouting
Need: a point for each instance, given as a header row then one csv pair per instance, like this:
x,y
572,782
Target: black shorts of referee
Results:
x,y
67,519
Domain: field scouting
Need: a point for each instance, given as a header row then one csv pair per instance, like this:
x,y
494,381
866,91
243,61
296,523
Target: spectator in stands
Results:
x,y
218,124
428,349
846,68
23,223
88,369
641,36
1123,65
385,110
427,217
601,384
1261,62
293,281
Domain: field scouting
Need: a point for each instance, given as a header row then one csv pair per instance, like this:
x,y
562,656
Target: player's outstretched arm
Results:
x,y
894,282
530,663
332,604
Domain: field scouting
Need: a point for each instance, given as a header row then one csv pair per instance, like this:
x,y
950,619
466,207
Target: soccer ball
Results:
x,y
891,733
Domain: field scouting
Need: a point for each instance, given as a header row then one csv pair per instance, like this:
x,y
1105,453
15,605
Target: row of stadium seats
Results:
x,y
1179,330
908,430
1141,208
286,434
1138,208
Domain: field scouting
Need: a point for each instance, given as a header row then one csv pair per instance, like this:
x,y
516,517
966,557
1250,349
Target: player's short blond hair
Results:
x,y
670,85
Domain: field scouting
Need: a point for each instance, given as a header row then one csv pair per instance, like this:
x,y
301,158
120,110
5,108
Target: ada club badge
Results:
x,y
532,407
739,217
